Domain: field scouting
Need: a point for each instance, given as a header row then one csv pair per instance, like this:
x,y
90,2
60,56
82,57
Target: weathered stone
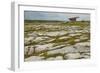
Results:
x,y
34,58
85,55
78,31
34,34
83,44
28,39
50,40
37,39
43,47
74,34
82,47
56,47
63,50
26,49
59,58
86,30
56,33
51,58
55,58
77,40
83,37
72,56
31,50
63,37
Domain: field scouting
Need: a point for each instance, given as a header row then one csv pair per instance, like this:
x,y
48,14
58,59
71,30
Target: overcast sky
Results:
x,y
39,15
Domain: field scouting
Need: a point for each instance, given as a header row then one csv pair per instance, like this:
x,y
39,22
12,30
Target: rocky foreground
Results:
x,y
56,41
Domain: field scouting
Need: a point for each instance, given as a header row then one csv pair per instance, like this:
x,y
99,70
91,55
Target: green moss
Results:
x,y
71,41
52,55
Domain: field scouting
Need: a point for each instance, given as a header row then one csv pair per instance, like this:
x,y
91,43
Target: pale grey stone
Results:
x,y
34,34
77,40
43,47
51,58
56,33
85,55
83,37
74,34
72,55
37,39
64,37
63,50
31,50
82,44
59,58
83,49
34,58
28,39
55,58
26,49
